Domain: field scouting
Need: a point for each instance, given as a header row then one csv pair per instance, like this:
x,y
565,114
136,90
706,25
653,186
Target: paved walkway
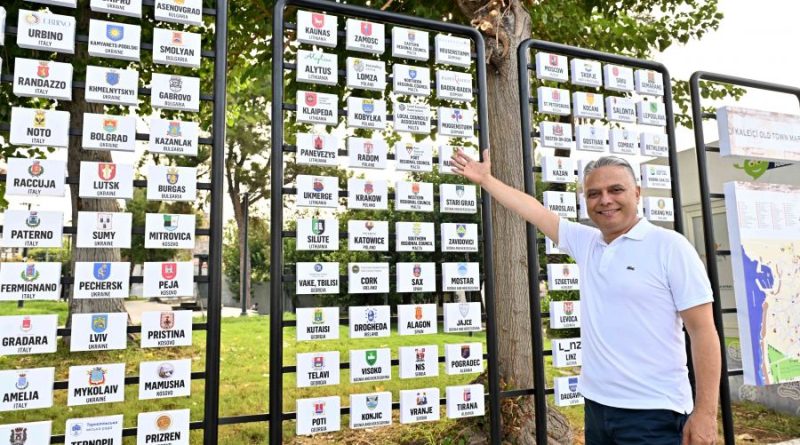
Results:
x,y
136,307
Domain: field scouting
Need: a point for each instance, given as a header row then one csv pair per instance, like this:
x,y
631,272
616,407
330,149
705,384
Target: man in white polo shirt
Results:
x,y
640,284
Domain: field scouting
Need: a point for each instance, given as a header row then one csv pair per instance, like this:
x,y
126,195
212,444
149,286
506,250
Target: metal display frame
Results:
x,y
540,391
211,374
279,146
706,195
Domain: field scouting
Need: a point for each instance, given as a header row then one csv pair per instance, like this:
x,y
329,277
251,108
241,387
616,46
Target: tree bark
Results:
x,y
503,31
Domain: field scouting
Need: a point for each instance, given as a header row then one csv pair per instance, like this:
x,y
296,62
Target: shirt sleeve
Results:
x,y
575,238
687,276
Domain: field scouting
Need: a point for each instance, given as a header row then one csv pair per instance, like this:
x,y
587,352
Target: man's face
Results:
x,y
612,199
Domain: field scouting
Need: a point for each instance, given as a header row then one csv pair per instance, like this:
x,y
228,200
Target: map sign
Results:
x,y
764,233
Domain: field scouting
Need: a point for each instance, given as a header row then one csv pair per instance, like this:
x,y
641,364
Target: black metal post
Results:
x,y
211,428
244,273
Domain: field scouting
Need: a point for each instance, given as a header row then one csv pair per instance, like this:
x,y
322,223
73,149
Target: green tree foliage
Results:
x,y
259,245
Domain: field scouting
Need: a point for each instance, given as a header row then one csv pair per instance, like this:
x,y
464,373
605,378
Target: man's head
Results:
x,y
612,196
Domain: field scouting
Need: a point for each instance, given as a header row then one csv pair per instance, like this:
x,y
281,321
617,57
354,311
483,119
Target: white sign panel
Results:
x,y
419,405
317,191
163,428
170,183
656,176
26,389
453,85
414,237
3,29
166,329
369,321
588,105
39,127
130,8
567,352
21,433
112,86
168,279
370,410
461,276
553,101
35,177
319,323
416,319
414,156
463,358
415,277
368,278
163,379
413,197
317,108
101,280
187,12
624,142
97,332
621,109
565,314
366,74
317,369
558,169
366,194
465,401
103,132
317,234
42,78
555,135
550,248
587,73
93,384
457,198
317,149
114,40
658,209
370,365
654,144
177,48
173,137
652,113
551,67
318,415
412,80
459,237
30,281
462,317
591,138
412,118
451,50
418,361
30,228
106,180
317,278
47,32
94,430
566,391
758,134
28,334
563,277
100,229
365,36
446,157
372,236
409,43
367,153
316,28
456,122
317,67
618,78
172,92
366,113
649,82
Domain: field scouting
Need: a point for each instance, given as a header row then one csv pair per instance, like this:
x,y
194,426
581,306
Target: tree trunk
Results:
x,y
507,27
77,107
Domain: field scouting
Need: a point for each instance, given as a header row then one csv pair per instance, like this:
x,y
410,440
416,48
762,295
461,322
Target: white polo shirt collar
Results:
x,y
637,232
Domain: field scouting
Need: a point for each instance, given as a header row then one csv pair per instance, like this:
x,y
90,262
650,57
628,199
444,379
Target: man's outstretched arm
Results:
x,y
701,428
515,200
